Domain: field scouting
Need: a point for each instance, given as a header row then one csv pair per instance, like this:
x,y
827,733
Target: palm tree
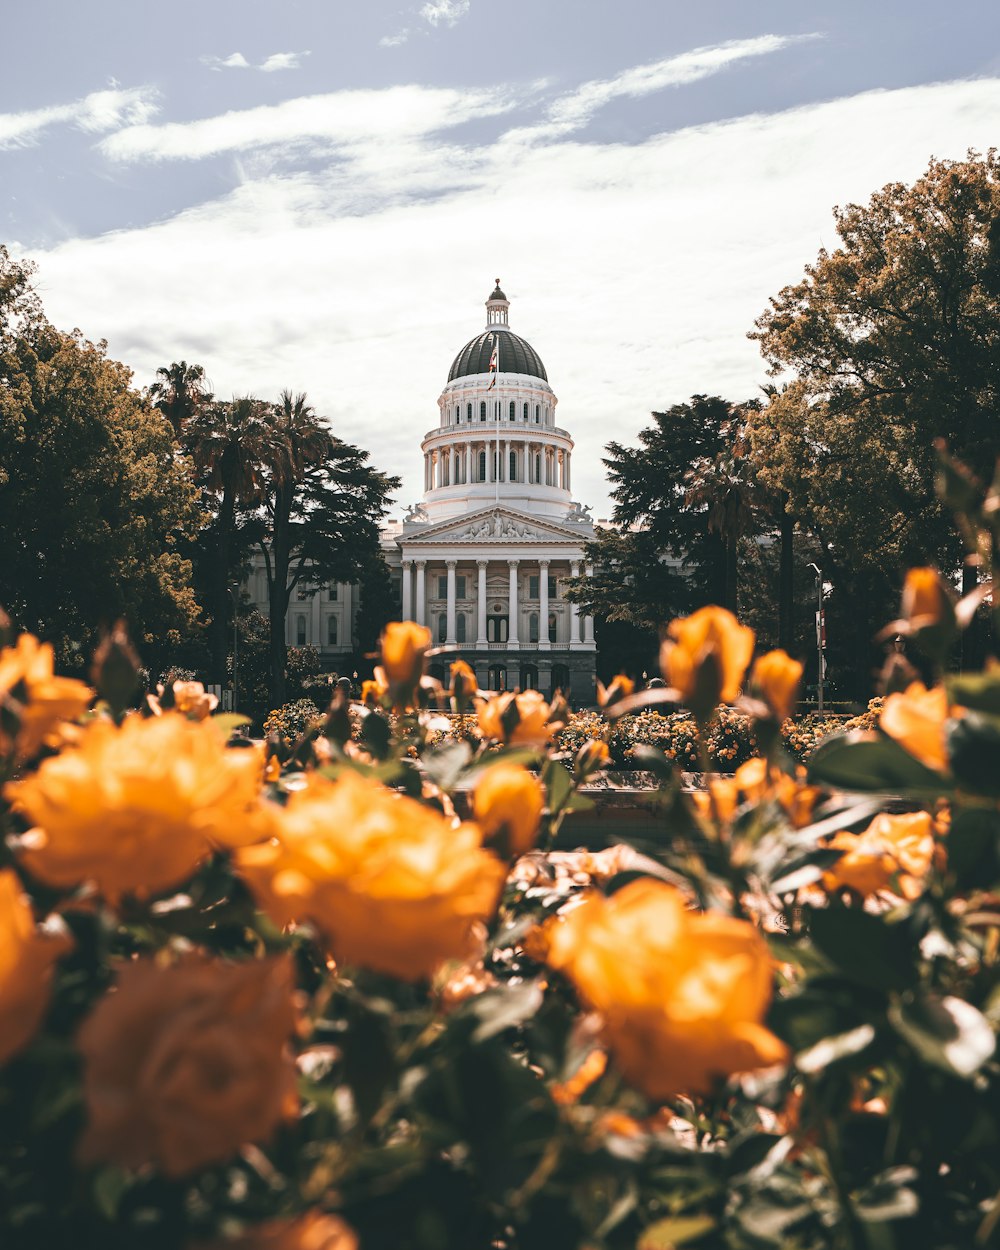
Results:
x,y
180,393
229,444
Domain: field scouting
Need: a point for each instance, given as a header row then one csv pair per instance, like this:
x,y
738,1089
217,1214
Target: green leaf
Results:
x,y
505,1008
859,761
980,692
110,1186
445,765
228,722
652,758
974,749
830,1049
678,1230
866,948
947,1032
974,847
558,784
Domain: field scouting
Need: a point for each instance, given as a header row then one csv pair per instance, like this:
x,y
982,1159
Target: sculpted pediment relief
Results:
x,y
493,526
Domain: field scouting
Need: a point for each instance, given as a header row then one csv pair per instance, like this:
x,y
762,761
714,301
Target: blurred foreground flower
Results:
x,y
507,804
776,677
27,956
313,1231
35,700
390,884
404,645
705,657
683,995
893,849
135,809
185,1064
518,718
916,719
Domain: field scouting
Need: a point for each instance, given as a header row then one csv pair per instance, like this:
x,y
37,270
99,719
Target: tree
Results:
x,y
317,521
94,505
228,443
180,393
888,342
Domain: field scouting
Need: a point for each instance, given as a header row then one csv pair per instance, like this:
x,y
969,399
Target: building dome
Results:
x,y
515,356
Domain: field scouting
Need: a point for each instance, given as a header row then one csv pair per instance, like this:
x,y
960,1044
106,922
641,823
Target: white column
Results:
x,y
450,638
543,606
512,609
506,459
588,621
574,611
407,590
421,612
568,482
347,637
481,623
468,462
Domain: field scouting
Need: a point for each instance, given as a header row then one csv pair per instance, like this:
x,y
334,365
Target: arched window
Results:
x,y
552,627
442,627
525,414
538,466
331,631
482,466
533,627
468,413
458,414
482,410
513,466
537,413
460,627
300,631
513,411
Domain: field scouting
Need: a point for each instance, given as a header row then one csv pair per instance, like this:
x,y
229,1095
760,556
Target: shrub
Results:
x,y
292,719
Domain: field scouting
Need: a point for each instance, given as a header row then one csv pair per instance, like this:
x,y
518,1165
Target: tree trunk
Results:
x,y
278,592
732,576
786,583
218,637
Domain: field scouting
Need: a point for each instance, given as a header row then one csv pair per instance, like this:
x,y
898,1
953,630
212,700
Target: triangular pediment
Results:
x,y
496,524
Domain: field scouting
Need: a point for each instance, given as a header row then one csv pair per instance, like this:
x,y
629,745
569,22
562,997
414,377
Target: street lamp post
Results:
x,y
819,633
235,588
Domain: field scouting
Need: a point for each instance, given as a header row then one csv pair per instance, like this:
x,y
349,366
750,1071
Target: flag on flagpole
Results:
x,y
494,362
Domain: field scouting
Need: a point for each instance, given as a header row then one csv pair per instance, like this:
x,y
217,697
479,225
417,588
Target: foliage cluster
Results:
x,y
292,720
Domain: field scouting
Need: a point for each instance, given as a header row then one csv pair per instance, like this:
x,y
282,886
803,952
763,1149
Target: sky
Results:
x,y
319,195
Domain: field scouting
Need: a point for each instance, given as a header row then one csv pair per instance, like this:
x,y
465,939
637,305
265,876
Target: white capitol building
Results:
x,y
483,559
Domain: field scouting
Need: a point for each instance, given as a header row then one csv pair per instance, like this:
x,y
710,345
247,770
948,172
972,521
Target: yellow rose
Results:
x,y
372,692
683,995
916,719
507,805
27,678
776,676
517,718
591,757
925,600
135,809
191,699
404,645
900,847
705,656
313,1231
391,884
183,1065
27,959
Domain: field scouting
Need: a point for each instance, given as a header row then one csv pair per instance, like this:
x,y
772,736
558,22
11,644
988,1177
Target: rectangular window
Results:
x,y
460,587
397,590
533,587
442,588
331,631
334,592
300,631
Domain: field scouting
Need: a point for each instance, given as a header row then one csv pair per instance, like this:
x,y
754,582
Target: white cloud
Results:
x,y
342,117
394,41
448,11
635,270
236,60
97,112
282,60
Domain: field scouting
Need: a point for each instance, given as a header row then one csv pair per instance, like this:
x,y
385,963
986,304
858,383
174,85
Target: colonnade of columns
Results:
x,y
459,463
415,602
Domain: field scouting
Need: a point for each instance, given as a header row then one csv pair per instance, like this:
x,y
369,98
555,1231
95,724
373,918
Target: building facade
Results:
x,y
484,557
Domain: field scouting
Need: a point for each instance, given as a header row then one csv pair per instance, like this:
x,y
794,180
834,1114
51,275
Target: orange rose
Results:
x,y
404,645
519,719
926,601
721,799
591,757
705,657
507,805
620,688
27,678
892,847
391,884
372,692
183,1065
137,808
592,1069
313,1231
191,699
683,996
776,676
916,719
27,959
464,684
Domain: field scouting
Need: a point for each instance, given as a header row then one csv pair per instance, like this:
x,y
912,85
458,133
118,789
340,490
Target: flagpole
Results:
x,y
496,417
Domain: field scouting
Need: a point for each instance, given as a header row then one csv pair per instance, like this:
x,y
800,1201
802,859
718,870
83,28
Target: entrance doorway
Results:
x,y
497,677
496,629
